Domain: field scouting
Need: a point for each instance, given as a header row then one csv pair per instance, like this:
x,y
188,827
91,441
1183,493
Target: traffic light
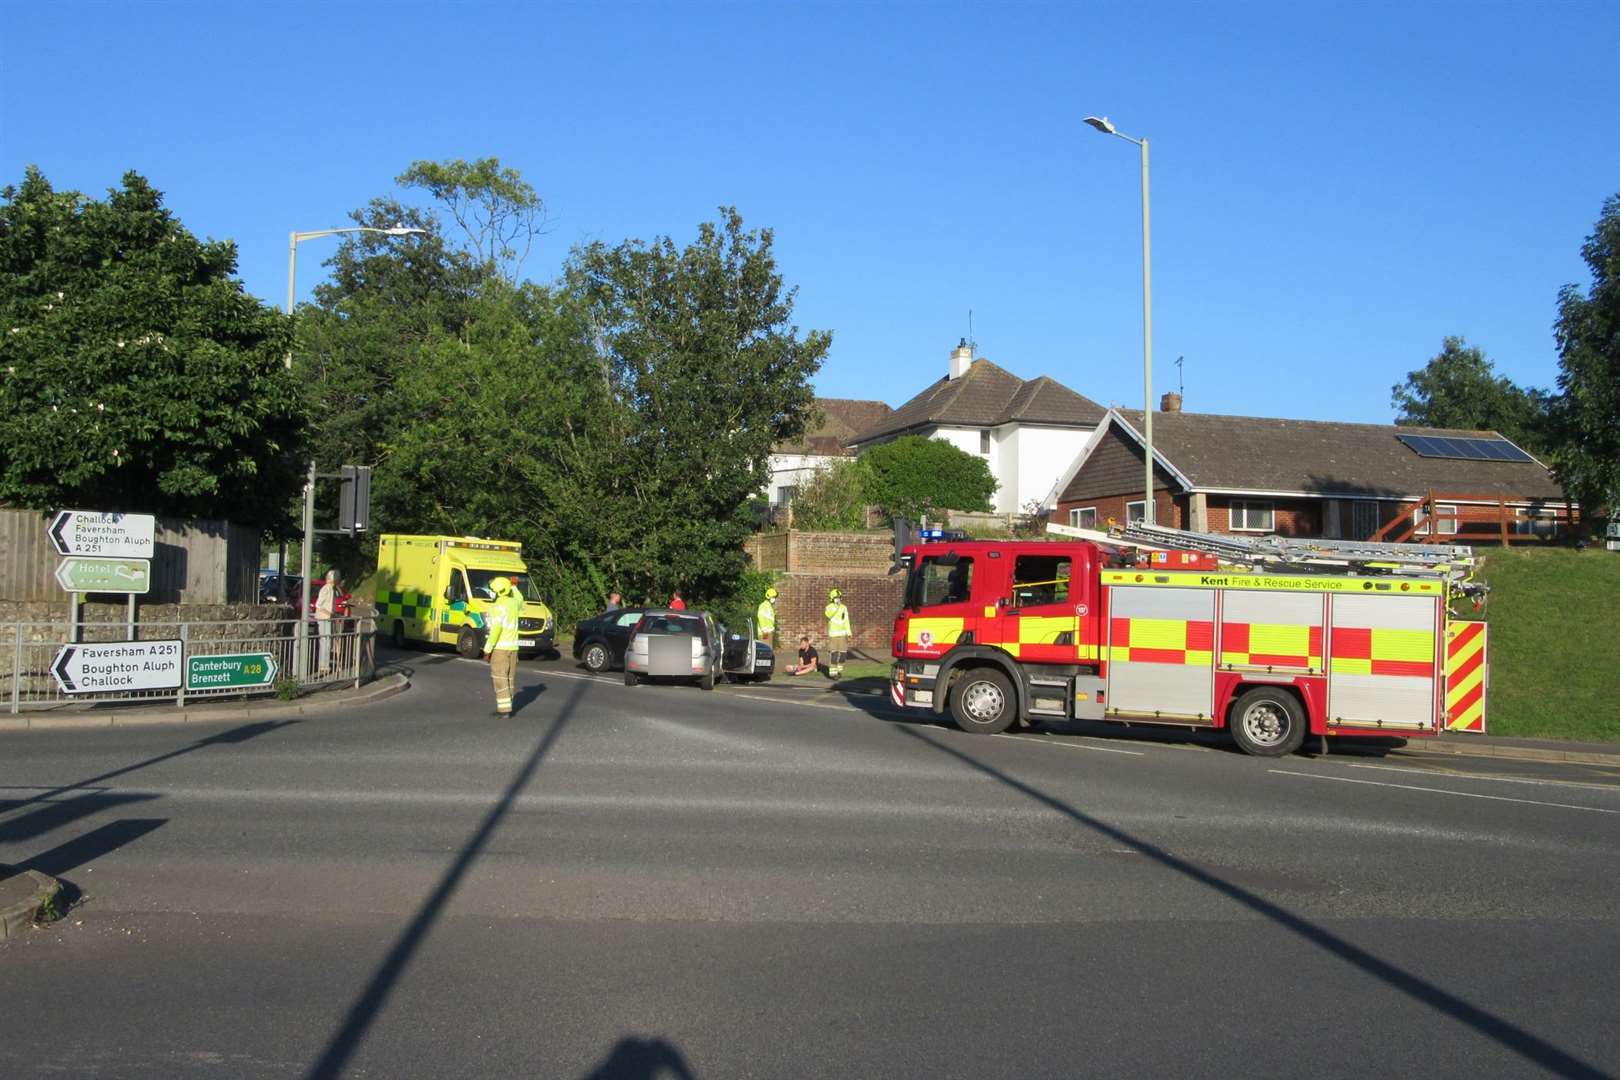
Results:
x,y
354,499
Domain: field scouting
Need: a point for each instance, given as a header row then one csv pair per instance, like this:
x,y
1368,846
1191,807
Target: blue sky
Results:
x,y
1336,187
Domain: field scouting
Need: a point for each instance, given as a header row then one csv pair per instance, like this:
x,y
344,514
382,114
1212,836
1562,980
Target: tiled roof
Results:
x,y
834,422
987,395
1250,453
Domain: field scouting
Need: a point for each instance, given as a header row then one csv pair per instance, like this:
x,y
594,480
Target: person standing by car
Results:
x,y
837,633
765,617
808,658
676,603
501,646
615,601
325,604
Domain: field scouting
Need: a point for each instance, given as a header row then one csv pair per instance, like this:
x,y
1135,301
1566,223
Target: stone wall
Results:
x,y
802,599
796,552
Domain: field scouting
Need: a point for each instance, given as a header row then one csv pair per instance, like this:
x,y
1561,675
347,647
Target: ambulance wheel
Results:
x,y
596,658
470,642
630,678
1267,722
982,702
398,636
707,682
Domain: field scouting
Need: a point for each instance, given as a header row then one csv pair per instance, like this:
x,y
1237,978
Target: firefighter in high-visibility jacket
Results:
x,y
837,632
765,617
501,646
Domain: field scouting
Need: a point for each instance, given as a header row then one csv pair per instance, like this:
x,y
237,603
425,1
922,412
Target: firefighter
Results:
x,y
501,646
765,617
837,633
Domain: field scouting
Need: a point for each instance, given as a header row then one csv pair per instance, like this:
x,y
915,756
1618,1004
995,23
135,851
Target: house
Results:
x,y
1027,430
836,421
1309,478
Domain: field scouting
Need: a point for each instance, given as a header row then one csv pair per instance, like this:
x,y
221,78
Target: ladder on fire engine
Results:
x,y
1262,550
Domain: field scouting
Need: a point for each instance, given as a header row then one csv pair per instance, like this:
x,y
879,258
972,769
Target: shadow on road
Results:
x,y
643,1059
369,1004
1493,1027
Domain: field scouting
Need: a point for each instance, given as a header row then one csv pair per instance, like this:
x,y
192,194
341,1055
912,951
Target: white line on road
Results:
x,y
1072,745
800,704
1443,791
1443,773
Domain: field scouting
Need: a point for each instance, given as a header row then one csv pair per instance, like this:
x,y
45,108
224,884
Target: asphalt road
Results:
x,y
774,882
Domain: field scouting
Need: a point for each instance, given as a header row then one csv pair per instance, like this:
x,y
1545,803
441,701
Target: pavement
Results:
x,y
778,880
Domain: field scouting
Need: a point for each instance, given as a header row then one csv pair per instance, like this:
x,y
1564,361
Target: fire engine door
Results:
x,y
1161,652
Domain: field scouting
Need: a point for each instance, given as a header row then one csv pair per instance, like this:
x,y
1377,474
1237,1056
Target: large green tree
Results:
x,y
1459,388
1587,412
136,374
914,477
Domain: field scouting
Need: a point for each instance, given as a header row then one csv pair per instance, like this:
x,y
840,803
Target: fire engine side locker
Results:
x,y
1160,651
1383,670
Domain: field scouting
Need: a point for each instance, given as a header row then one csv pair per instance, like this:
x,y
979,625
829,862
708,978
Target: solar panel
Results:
x,y
1434,446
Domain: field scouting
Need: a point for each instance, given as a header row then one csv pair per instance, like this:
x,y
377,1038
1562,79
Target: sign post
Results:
x,y
104,536
236,670
79,574
126,666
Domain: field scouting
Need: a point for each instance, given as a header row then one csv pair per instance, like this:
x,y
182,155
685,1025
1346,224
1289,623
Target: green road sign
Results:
x,y
230,670
79,574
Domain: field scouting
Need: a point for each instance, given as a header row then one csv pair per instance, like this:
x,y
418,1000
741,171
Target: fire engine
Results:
x,y
1269,638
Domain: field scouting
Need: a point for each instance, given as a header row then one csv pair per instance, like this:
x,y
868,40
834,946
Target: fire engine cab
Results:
x,y
1270,639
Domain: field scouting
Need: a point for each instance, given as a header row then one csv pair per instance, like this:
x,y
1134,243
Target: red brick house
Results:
x,y
1311,478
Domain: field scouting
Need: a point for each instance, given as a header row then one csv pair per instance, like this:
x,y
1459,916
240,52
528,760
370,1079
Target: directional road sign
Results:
x,y
79,574
118,665
245,670
108,536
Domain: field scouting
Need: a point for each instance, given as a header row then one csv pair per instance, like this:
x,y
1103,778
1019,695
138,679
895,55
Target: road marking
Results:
x,y
1483,776
1072,745
1443,791
800,704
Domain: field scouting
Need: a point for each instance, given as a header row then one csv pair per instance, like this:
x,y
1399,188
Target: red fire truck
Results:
x,y
1270,639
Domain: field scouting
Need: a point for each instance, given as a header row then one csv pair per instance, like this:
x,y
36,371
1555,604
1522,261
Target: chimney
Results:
x,y
961,359
1171,402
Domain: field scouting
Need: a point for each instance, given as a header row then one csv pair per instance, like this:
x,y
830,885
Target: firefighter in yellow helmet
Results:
x,y
501,644
837,632
765,617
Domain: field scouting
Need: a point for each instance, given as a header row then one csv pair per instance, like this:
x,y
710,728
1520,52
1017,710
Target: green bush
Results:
x,y
834,500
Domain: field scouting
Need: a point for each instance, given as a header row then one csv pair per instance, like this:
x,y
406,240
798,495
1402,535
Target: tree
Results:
x,y
705,372
1459,388
497,209
913,477
1586,414
138,376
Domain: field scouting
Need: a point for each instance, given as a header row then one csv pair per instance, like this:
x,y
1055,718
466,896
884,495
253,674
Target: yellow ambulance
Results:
x,y
435,589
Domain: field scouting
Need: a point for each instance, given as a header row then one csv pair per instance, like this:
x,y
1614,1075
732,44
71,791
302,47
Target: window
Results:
x,y
1536,521
1084,517
480,579
629,618
1364,520
1446,514
1040,579
1135,511
457,592
984,442
785,493
940,580
1253,517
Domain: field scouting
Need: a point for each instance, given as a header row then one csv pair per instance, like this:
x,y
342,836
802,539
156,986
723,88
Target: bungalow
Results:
x,y
1026,430
1309,478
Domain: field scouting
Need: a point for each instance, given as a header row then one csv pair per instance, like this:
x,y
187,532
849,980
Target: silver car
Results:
x,y
674,645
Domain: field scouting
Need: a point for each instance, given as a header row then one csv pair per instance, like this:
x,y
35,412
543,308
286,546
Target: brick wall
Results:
x,y
1168,509
768,550
1290,517
873,601
822,553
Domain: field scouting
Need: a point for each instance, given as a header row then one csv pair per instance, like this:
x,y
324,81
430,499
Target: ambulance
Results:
x,y
436,590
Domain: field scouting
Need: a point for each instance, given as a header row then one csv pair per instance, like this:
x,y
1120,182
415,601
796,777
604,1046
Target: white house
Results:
x,y
837,419
1028,430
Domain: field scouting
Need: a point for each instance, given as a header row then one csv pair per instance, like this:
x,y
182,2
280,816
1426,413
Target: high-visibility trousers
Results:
x,y
503,669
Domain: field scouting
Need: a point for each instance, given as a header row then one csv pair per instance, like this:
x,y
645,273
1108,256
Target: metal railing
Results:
x,y
28,650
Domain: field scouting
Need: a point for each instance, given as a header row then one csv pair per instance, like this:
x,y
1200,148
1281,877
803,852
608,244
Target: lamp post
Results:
x,y
301,634
1106,126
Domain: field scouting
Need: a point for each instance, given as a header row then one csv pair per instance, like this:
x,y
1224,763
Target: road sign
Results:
x,y
118,665
79,574
230,669
108,536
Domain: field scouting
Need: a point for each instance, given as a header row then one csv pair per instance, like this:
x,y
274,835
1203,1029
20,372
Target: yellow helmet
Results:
x,y
499,585
770,594
834,594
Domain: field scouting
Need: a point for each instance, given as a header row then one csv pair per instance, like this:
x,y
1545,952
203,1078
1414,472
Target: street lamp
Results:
x,y
301,633
1106,126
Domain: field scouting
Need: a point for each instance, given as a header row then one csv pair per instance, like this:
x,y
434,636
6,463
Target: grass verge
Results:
x,y
1554,617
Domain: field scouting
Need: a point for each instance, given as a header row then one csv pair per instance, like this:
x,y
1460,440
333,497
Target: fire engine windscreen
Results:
x,y
940,579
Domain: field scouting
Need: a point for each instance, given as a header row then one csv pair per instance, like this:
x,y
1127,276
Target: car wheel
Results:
x,y
630,678
707,682
763,678
1267,723
982,702
596,658
399,634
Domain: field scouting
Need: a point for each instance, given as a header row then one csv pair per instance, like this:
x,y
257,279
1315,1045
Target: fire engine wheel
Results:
x,y
1268,723
982,702
596,657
